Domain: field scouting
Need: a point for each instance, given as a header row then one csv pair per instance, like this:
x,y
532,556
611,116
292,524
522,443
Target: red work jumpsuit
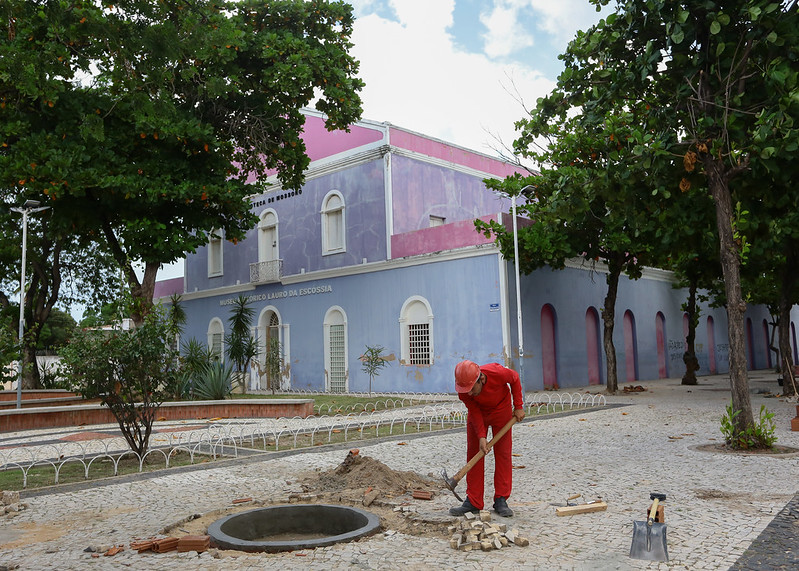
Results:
x,y
492,407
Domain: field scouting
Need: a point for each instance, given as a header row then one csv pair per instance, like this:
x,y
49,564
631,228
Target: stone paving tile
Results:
x,y
717,504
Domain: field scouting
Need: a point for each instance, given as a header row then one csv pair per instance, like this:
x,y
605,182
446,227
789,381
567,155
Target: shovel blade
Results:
x,y
649,542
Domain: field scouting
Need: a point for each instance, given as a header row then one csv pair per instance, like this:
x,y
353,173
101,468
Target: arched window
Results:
x,y
750,345
711,345
630,346
593,342
273,349
768,343
216,338
333,223
549,347
335,332
268,245
660,340
416,330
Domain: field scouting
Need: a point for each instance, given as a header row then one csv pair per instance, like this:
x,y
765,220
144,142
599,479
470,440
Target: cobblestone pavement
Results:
x,y
722,510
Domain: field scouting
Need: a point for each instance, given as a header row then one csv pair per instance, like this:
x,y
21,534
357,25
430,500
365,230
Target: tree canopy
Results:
x,y
699,98
141,123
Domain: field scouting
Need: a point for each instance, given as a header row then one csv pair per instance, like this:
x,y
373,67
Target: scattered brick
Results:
x,y
114,550
165,544
422,494
470,534
197,543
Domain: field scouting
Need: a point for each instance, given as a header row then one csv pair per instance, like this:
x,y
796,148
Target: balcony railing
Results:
x,y
266,272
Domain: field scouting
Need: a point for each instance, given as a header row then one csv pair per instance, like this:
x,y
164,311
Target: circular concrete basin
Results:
x,y
291,527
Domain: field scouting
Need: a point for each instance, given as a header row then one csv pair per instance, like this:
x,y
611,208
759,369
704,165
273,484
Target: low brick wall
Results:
x,y
87,414
36,394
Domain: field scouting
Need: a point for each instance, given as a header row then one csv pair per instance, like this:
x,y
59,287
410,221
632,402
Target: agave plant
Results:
x,y
213,382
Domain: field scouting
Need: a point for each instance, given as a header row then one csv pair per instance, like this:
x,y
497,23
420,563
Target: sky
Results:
x,y
462,71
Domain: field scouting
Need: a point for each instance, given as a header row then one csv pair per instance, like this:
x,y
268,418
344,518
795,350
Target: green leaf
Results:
x,y
715,27
720,48
678,36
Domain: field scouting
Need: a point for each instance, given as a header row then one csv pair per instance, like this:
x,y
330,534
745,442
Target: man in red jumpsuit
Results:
x,y
484,391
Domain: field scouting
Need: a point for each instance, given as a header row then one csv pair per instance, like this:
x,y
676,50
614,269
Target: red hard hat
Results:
x,y
466,375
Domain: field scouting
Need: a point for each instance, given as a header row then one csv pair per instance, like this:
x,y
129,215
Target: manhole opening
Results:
x,y
291,527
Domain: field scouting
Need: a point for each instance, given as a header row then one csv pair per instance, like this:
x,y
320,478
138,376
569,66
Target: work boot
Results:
x,y
462,509
501,507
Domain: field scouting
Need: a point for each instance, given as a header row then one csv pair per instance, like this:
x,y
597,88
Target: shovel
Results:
x,y
649,537
452,482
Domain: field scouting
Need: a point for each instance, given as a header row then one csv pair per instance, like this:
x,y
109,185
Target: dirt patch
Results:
x,y
359,481
776,450
358,472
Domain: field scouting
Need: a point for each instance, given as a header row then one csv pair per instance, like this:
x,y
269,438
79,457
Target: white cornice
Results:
x,y
656,274
369,153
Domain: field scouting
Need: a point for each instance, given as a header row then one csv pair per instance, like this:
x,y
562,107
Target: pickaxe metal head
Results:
x,y
451,483
656,496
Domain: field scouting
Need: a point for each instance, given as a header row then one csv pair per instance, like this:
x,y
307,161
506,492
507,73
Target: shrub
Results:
x,y
213,382
757,435
131,371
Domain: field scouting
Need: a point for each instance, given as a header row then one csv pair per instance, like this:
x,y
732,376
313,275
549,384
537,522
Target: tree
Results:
x,y
60,269
141,123
132,371
240,346
702,65
373,360
591,199
56,330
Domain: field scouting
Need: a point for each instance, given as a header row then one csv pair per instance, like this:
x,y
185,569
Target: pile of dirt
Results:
x,y
357,473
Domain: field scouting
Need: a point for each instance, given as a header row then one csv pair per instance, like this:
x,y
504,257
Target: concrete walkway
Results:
x,y
717,504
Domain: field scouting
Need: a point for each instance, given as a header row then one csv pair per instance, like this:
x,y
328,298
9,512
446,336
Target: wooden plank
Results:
x,y
582,509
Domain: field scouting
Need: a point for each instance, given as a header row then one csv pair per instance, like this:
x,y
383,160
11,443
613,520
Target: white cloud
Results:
x,y
509,22
417,78
562,18
504,32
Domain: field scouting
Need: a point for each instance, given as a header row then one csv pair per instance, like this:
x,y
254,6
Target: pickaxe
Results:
x,y
452,482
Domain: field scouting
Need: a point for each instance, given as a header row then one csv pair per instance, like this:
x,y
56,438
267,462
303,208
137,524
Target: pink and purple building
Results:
x,y
378,248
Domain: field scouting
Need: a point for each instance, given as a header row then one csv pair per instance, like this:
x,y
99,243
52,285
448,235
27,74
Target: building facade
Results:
x,y
378,248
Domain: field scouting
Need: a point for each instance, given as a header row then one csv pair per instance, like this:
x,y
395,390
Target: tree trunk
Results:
x,y
142,293
41,297
689,357
789,280
608,321
731,269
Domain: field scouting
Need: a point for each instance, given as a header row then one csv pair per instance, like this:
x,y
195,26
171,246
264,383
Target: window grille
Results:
x,y
419,340
338,380
216,345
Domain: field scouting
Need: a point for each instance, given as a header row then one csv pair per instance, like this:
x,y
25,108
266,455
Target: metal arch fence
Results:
x,y
229,438
551,402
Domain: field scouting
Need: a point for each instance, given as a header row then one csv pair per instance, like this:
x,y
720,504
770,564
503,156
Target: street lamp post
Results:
x,y
518,285
30,207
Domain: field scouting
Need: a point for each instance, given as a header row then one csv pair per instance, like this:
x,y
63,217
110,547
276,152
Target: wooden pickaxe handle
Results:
x,y
477,457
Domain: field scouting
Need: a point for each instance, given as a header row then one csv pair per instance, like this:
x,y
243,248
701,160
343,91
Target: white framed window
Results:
x,y
268,245
215,253
335,332
416,332
216,339
333,224
437,221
